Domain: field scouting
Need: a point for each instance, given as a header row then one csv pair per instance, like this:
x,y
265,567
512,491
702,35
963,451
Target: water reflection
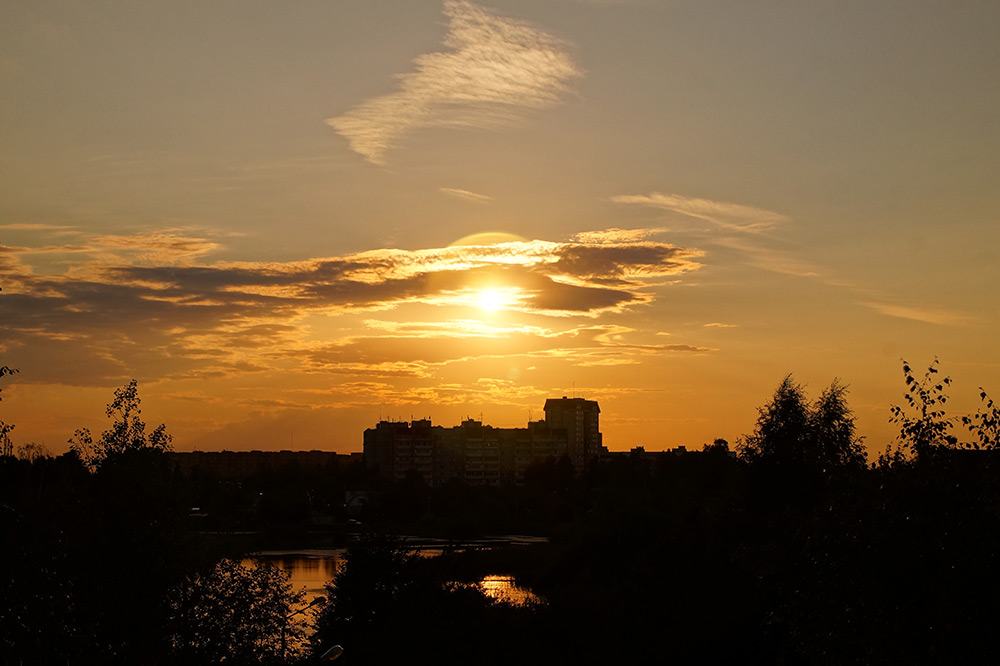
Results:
x,y
311,570
503,588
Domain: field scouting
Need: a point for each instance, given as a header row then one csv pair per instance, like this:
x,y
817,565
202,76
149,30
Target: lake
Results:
x,y
313,568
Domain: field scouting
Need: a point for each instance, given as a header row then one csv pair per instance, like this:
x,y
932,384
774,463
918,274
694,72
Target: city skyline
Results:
x,y
290,222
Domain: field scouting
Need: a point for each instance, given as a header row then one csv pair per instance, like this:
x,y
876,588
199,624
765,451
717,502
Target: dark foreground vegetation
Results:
x,y
791,549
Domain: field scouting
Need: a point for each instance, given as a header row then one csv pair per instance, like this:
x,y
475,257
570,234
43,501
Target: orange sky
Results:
x,y
288,222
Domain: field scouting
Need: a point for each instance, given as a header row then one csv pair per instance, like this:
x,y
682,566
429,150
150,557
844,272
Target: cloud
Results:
x,y
466,195
494,70
184,318
423,349
545,276
615,235
747,221
777,260
157,248
758,249
730,216
609,3
163,248
925,315
21,226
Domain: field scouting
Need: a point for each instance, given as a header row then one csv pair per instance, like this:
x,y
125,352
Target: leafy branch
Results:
x,y
923,426
985,423
6,446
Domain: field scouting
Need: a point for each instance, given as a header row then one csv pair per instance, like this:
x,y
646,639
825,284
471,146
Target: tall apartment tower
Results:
x,y
581,419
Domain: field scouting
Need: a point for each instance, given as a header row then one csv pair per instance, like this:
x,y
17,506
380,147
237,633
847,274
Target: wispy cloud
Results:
x,y
925,315
741,228
168,246
609,3
157,248
731,216
615,235
494,70
762,254
465,195
422,349
34,227
766,252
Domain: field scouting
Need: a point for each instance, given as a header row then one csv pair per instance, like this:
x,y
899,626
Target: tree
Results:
x,y
32,451
923,427
718,446
792,434
367,587
781,434
126,435
137,547
6,446
832,431
985,423
240,614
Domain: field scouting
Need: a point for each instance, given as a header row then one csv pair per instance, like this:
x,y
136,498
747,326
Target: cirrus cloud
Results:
x,y
494,70
466,195
731,216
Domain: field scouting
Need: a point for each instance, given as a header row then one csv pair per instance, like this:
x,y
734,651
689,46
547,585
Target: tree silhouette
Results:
x,y
126,435
791,434
985,423
367,586
237,614
781,433
923,427
6,446
832,432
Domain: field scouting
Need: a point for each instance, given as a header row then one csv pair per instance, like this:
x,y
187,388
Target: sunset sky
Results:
x,y
287,220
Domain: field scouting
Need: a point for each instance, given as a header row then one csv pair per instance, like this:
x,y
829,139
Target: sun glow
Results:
x,y
492,300
489,238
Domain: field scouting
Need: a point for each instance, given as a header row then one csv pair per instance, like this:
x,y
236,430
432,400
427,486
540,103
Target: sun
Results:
x,y
495,299
492,300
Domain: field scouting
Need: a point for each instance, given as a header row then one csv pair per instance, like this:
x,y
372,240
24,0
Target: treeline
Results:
x,y
792,548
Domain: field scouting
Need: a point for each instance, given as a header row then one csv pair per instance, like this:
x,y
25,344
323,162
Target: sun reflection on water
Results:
x,y
506,589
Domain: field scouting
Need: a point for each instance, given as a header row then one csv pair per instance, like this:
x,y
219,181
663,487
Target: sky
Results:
x,y
289,220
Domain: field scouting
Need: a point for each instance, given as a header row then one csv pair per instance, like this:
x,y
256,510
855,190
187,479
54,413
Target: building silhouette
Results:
x,y
242,464
482,455
581,420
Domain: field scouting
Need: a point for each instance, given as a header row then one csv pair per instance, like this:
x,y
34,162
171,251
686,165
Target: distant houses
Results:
x,y
242,464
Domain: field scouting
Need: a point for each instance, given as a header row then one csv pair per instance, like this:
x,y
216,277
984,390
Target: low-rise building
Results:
x,y
241,464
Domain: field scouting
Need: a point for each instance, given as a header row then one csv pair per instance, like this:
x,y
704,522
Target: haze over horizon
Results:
x,y
288,221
